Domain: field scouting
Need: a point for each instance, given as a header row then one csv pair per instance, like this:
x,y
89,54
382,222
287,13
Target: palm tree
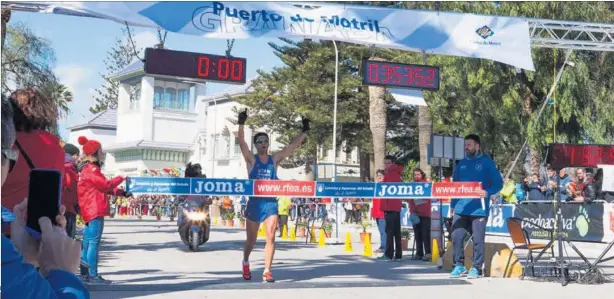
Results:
x,y
378,109
58,93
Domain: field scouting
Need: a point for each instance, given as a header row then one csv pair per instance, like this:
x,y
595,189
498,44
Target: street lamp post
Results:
x,y
214,140
334,178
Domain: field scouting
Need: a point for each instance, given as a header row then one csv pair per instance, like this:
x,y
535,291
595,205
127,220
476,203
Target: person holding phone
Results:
x,y
57,256
93,191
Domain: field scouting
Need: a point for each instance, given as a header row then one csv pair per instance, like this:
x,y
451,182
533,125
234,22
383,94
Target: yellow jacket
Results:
x,y
283,205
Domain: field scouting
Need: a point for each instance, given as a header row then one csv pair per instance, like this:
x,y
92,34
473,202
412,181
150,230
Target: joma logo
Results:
x,y
400,190
214,187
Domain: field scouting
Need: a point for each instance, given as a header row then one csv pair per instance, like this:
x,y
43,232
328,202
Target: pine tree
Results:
x,y
118,57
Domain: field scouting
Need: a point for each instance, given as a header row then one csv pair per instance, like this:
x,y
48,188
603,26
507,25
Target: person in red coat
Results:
x,y
34,117
69,188
421,221
391,207
378,215
93,192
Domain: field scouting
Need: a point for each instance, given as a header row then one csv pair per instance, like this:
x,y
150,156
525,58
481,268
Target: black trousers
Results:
x,y
283,220
393,232
422,232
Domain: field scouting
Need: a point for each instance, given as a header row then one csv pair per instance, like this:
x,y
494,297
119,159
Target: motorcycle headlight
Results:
x,y
196,215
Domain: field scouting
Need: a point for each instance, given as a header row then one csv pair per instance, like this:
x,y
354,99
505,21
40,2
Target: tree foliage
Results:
x,y
118,57
27,59
304,86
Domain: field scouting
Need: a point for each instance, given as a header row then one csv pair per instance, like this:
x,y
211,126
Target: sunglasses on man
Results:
x,y
261,141
11,155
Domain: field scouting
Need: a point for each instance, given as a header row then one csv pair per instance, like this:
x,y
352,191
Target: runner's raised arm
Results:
x,y
287,151
247,154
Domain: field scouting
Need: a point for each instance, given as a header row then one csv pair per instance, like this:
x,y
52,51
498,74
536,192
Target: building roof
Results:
x,y
132,69
234,91
102,120
148,144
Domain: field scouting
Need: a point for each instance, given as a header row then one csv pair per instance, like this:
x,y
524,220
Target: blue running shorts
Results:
x,y
260,208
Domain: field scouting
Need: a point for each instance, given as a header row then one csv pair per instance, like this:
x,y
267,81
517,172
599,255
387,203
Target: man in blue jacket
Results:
x,y
471,214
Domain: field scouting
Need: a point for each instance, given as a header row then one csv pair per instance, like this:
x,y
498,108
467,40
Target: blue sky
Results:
x,y
81,45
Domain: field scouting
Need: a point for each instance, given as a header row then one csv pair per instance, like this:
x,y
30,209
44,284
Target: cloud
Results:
x,y
79,80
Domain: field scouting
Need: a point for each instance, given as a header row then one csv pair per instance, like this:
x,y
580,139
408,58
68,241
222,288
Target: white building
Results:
x,y
163,122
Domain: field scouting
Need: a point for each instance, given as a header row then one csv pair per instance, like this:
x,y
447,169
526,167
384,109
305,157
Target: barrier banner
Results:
x,y
503,39
581,222
284,188
330,189
266,188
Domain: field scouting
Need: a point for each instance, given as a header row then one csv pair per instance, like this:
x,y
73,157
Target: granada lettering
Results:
x,y
204,187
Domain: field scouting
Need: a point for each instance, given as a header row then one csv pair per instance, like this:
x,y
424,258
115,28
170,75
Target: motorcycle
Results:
x,y
194,223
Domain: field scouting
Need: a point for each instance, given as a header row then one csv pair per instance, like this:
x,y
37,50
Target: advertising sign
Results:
x,y
581,222
330,189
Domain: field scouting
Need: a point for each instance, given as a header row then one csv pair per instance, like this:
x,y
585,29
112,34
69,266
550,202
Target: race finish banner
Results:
x,y
272,188
502,39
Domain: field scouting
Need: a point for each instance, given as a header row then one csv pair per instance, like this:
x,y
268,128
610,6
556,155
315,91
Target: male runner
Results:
x,y
263,166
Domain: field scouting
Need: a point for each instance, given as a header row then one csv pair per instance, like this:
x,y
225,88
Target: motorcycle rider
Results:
x,y
198,201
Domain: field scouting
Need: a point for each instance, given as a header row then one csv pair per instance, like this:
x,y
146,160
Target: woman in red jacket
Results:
x,y
421,210
93,191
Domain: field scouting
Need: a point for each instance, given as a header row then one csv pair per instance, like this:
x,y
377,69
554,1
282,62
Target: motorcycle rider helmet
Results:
x,y
194,171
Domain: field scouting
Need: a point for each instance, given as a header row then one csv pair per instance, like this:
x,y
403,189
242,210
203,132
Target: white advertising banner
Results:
x,y
502,39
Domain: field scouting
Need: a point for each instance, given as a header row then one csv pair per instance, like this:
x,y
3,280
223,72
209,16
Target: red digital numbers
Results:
x,y
223,68
237,70
409,74
396,77
579,155
386,73
226,68
374,73
203,66
430,78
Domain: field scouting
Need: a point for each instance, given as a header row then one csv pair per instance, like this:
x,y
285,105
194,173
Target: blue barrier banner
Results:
x,y
334,189
497,221
158,185
403,190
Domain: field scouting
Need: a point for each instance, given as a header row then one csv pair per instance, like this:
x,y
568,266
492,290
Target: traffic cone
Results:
x,y
368,251
348,242
435,252
312,239
293,234
322,240
216,221
284,232
261,231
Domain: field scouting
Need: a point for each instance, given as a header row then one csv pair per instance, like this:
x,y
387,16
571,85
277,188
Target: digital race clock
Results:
x,y
199,66
400,75
579,155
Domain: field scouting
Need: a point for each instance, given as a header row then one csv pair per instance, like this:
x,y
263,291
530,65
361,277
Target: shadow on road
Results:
x,y
343,272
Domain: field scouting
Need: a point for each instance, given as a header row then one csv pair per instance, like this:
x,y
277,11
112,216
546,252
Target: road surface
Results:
x,y
146,259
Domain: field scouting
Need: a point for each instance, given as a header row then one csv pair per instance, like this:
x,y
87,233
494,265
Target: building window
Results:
x,y
172,95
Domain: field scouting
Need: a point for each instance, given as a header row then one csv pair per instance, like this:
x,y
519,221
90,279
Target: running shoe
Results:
x,y
458,271
473,273
427,258
247,274
383,257
267,277
97,280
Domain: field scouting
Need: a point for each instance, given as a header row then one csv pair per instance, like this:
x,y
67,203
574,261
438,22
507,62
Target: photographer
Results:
x,y
57,256
93,192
